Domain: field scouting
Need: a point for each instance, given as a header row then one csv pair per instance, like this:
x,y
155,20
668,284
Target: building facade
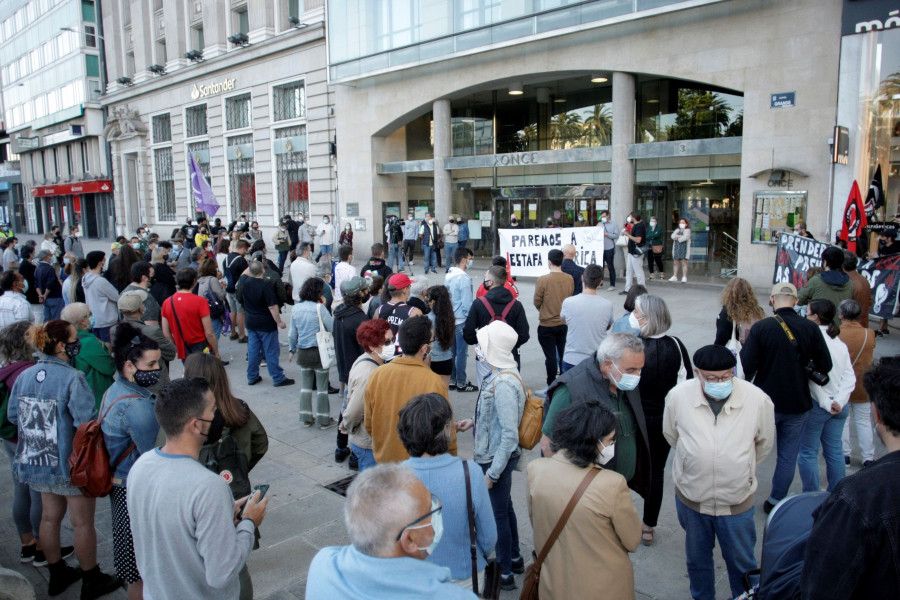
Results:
x,y
716,110
52,77
239,87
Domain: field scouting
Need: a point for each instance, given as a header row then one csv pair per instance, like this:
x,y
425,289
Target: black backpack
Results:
x,y
229,276
226,459
216,306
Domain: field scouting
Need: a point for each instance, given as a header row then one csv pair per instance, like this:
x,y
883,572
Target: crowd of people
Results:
x,y
622,394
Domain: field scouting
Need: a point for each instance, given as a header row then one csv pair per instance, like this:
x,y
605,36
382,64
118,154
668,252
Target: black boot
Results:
x,y
61,577
96,583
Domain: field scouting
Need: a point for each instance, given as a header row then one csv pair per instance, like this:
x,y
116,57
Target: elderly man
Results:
x,y
48,287
721,428
569,266
14,305
394,523
611,376
133,306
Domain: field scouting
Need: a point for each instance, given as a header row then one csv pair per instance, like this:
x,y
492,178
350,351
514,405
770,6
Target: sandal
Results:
x,y
646,535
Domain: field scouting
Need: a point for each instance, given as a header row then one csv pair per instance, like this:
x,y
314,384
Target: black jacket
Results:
x,y
376,266
346,321
771,362
569,266
663,359
163,282
27,269
478,317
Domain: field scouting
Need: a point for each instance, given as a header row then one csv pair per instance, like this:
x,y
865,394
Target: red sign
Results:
x,y
98,186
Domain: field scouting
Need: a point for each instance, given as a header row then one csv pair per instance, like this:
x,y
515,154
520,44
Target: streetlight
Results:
x,y
101,56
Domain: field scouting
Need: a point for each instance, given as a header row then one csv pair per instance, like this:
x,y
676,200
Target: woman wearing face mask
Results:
x,y
346,238
376,337
681,249
666,364
48,402
93,358
282,242
591,552
441,315
129,429
305,318
655,242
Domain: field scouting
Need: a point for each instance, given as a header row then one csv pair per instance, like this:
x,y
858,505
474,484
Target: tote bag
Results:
x,y
325,342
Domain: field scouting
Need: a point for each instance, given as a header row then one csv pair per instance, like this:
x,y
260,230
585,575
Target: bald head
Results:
x,y
569,251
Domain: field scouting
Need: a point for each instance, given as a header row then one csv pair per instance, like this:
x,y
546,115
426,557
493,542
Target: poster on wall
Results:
x,y
775,213
527,249
420,212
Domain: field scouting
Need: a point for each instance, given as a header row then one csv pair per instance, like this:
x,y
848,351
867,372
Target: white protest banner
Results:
x,y
527,249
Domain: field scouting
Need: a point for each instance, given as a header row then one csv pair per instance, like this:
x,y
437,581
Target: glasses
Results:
x,y
390,340
436,507
714,379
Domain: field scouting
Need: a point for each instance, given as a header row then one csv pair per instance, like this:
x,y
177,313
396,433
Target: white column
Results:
x,y
442,148
623,128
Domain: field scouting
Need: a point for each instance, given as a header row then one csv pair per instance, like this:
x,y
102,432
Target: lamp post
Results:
x,y
101,56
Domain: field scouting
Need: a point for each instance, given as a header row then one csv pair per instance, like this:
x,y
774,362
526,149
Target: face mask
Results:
x,y
91,322
603,219
430,221
581,218
681,226
629,219
216,425
606,453
144,235
628,381
300,220
327,221
176,247
652,223
409,217
719,390
66,261
73,348
147,378
633,322
136,245
387,352
255,228
25,291
347,228
437,523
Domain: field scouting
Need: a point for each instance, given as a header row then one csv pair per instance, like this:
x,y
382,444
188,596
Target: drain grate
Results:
x,y
340,486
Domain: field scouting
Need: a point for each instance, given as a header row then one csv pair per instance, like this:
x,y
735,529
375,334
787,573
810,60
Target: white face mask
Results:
x,y
652,223
347,228
326,221
629,219
387,352
606,453
603,219
681,226
633,322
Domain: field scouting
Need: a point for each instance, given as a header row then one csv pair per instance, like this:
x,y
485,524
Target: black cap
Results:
x,y
714,358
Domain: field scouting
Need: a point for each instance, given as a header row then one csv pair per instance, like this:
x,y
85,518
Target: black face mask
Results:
x,y
148,378
73,348
216,425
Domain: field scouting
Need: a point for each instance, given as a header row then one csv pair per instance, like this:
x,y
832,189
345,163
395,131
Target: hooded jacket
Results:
x,y
376,266
102,298
830,285
479,316
347,320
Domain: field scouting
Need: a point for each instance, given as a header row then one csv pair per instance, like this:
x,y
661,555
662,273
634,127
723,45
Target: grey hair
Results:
x,y
850,310
75,312
256,268
14,346
614,346
44,254
159,255
418,287
379,505
659,320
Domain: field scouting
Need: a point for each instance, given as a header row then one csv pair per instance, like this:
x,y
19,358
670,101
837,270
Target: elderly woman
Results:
x,y
497,416
163,276
51,399
666,364
93,358
591,552
424,427
417,294
307,316
860,341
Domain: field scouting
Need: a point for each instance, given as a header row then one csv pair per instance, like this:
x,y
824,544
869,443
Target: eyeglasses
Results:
x,y
714,379
390,340
436,507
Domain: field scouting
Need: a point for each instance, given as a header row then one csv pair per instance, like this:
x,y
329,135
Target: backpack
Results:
x,y
89,467
227,460
532,417
495,316
216,306
229,276
8,431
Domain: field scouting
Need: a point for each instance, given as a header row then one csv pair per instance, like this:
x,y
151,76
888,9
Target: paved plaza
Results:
x,y
303,516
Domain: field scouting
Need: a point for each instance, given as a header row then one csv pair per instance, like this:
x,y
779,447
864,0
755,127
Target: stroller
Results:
x,y
784,547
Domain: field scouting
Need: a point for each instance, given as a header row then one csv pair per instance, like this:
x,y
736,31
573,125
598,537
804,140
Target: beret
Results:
x,y
714,358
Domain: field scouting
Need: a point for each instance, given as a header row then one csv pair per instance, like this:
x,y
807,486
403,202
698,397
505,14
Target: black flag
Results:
x,y
875,196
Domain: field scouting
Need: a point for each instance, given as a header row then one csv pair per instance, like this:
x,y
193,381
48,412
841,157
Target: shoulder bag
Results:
x,y
532,416
812,374
325,342
734,346
533,574
861,348
89,468
188,348
491,589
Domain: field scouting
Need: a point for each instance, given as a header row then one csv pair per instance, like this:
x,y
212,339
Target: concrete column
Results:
x,y
623,129
443,190
142,28
215,28
176,34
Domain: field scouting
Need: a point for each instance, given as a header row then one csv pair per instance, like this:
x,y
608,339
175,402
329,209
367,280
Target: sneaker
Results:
x,y
412,264
684,280
285,382
673,278
255,381
233,336
353,463
518,565
225,363
847,460
332,390
263,363
623,292
61,577
767,507
28,552
611,288
341,454
866,463
452,387
98,584
878,333
41,561
507,582
332,422
242,340
469,387
308,423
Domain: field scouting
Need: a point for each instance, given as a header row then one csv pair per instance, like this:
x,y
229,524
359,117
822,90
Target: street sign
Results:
x,y
784,100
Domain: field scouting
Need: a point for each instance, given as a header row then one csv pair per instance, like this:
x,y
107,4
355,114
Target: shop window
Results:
x,y
237,112
241,178
289,101
165,184
195,120
291,170
162,128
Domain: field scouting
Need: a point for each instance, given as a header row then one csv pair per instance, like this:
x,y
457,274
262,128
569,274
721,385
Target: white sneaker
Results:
x,y
684,279
673,278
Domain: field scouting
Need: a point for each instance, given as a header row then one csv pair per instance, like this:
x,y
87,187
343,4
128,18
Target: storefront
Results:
x,y
88,204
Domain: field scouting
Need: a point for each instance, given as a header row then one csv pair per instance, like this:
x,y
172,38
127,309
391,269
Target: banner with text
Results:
x,y
796,255
527,248
884,277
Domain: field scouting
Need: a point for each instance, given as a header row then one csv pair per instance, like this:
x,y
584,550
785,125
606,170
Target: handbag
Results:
x,y
491,589
734,346
533,574
532,415
812,374
622,241
657,249
325,343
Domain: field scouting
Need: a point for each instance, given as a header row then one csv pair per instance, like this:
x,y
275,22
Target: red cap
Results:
x,y
400,281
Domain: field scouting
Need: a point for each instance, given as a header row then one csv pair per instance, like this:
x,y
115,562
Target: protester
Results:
x,y
93,358
497,416
721,428
655,246
851,549
327,236
10,255
451,241
376,266
380,563
634,255
183,517
681,249
343,271
308,317
740,310
424,426
253,234
442,320
396,311
834,284
263,319
101,296
417,294
430,235
49,401
347,318
609,232
323,273
374,335
141,280
862,292
119,271
375,288
129,430
549,292
209,286
587,316
185,318
831,405
132,306
73,288
459,284
860,343
13,304
569,266
591,552
305,232
499,261
772,362
497,301
281,240
223,249
410,235
623,324
235,266
163,285
47,286
389,388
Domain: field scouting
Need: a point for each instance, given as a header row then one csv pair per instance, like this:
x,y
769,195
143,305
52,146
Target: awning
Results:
x,y
97,186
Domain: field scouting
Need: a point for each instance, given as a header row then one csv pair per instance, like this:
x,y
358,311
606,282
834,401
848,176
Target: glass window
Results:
x,y
200,152
195,120
241,178
165,183
88,12
670,110
197,41
295,8
129,64
90,37
35,60
29,110
161,56
289,100
92,65
49,50
237,112
475,13
291,170
241,22
40,107
53,101
162,128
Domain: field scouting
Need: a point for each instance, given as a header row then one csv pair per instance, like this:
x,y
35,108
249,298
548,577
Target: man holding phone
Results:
x,y
189,539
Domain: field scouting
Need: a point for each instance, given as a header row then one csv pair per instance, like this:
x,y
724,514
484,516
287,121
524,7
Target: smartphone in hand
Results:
x,y
262,489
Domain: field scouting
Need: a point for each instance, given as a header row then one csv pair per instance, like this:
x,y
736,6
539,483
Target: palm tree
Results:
x,y
566,129
700,114
598,126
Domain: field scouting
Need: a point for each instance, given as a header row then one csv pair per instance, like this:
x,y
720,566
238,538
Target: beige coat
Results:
x,y
860,343
590,557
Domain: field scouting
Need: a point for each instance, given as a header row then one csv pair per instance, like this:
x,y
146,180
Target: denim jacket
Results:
x,y
53,399
460,285
129,421
305,324
498,412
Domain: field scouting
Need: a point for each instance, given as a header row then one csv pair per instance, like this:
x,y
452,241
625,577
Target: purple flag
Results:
x,y
203,194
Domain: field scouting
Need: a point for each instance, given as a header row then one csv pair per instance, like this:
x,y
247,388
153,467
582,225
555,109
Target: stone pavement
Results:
x,y
303,516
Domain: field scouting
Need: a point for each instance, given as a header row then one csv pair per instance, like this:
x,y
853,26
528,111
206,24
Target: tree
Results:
x,y
701,114
598,126
565,130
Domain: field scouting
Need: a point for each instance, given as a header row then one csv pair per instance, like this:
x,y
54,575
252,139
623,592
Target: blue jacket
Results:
x,y
305,324
497,416
53,399
346,573
443,476
129,421
463,232
460,285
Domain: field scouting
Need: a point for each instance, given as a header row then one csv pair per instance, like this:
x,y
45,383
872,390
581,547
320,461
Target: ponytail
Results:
x,y
46,336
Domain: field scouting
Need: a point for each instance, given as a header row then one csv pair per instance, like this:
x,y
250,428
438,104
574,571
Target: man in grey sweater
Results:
x,y
182,515
101,296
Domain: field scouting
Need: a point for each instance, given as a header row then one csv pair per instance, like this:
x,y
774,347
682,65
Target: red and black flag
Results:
x,y
854,218
875,196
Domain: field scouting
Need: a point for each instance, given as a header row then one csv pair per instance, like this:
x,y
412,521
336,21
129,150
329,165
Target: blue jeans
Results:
x,y
282,257
217,325
267,343
788,434
737,538
460,350
826,428
395,254
26,504
449,249
365,457
430,257
505,516
52,308
324,249
566,366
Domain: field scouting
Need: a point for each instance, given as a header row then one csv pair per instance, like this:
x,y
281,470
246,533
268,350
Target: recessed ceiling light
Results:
x,y
515,89
598,78
653,101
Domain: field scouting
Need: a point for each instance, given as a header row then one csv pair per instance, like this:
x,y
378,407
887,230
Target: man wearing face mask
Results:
x,y
101,295
189,539
394,524
14,305
721,427
612,377
609,232
410,235
430,236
